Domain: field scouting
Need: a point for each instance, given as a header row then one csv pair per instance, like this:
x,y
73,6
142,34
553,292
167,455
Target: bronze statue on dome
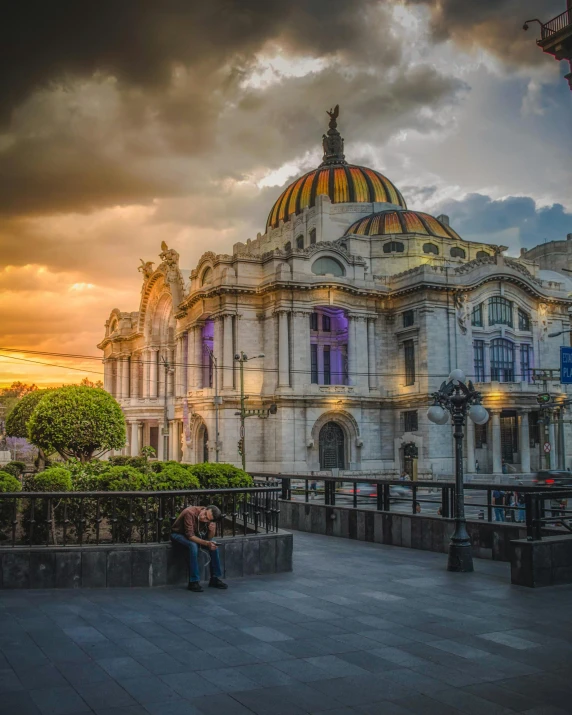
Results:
x,y
332,142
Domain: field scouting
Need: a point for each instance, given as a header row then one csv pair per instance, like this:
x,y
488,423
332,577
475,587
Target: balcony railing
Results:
x,y
556,24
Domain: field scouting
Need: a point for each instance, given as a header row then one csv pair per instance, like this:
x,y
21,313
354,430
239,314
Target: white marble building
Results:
x,y
361,308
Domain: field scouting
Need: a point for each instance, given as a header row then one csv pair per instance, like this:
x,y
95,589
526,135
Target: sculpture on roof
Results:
x,y
146,268
333,142
168,255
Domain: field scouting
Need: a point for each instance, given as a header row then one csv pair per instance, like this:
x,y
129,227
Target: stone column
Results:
x,y
153,383
228,354
552,440
371,367
198,356
496,433
134,368
300,349
135,439
352,350
283,350
470,430
161,445
172,373
173,446
107,374
146,357
125,377
361,361
524,442
178,374
217,350
185,359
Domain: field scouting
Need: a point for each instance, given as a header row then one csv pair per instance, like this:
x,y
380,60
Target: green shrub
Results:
x,y
119,460
8,483
20,467
11,469
220,476
85,475
122,479
124,513
54,479
173,477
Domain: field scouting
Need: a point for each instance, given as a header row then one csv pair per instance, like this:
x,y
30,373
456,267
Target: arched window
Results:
x,y
457,252
331,442
288,246
500,311
300,242
312,236
430,248
393,247
207,276
326,265
502,360
482,254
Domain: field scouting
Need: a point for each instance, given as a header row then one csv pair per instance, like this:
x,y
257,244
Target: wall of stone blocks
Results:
x,y
414,531
141,565
542,563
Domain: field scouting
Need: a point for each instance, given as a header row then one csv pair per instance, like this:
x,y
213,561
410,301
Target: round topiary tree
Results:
x,y
173,477
220,476
53,479
78,422
122,479
18,417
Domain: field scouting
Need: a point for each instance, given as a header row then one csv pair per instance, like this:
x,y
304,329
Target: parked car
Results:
x,y
365,489
553,478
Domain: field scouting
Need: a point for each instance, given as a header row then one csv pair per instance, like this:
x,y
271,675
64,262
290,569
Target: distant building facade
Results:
x,y
361,308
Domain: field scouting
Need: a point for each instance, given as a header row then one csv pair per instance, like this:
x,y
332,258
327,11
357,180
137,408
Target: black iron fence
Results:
x,y
547,508
78,518
556,24
484,502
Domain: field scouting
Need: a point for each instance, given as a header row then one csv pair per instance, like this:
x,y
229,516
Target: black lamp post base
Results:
x,y
460,558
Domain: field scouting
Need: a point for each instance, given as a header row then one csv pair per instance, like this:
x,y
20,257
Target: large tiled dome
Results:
x,y
397,222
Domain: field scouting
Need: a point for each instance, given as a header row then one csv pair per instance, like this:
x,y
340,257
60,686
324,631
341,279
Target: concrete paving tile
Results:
x,y
336,666
59,701
149,689
267,635
468,703
9,681
265,702
190,685
264,652
222,704
265,676
112,695
229,680
19,703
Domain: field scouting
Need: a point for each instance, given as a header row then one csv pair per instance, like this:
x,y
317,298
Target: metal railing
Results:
x,y
80,518
556,24
536,512
416,497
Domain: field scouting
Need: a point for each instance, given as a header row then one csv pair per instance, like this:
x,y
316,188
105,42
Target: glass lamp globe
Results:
x,y
437,415
478,414
457,376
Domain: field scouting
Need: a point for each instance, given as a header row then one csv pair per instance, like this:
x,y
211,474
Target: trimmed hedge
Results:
x,y
54,479
220,476
8,483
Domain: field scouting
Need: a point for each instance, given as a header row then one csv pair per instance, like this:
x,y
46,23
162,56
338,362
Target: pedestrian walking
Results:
x,y
498,503
477,468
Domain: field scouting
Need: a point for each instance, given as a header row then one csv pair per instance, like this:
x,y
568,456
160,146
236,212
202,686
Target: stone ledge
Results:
x,y
542,563
136,565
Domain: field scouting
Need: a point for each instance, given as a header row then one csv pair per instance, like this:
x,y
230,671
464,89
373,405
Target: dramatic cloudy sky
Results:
x,y
123,124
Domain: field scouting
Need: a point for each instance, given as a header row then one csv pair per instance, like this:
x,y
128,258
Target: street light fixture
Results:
x,y
241,358
457,398
559,332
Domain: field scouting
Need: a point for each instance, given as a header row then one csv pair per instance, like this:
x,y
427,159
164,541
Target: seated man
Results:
x,y
195,527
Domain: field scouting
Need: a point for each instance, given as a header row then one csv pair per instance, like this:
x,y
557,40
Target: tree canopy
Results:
x,y
77,421
17,418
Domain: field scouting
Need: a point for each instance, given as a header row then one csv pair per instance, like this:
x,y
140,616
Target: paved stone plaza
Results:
x,y
356,628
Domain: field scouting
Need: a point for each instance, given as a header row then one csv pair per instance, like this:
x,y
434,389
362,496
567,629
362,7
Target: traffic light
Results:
x,y
543,398
241,447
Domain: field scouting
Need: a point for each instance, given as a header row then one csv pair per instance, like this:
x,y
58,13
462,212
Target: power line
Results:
x,y
50,364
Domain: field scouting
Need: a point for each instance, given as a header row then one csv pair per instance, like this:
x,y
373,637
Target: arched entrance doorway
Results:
x,y
203,444
332,447
410,456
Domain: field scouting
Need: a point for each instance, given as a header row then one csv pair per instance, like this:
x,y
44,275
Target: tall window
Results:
x,y
300,243
327,366
500,311
479,356
526,363
313,321
409,359
523,320
314,363
502,360
477,316
312,236
326,323
410,421
408,318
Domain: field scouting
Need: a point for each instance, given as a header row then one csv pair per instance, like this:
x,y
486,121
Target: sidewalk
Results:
x,y
358,628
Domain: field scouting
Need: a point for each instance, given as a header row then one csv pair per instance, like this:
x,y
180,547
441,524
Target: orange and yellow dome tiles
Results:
x,y
399,222
343,183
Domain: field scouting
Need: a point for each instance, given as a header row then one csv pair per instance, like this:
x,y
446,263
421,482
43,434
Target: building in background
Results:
x,y
556,37
361,307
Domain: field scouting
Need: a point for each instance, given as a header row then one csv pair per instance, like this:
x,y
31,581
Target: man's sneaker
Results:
x,y
195,586
217,583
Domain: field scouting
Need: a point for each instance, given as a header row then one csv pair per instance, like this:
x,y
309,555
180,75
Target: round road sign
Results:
x,y
547,447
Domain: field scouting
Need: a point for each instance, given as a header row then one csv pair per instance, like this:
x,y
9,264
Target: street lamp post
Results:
x,y
169,370
458,399
241,358
217,399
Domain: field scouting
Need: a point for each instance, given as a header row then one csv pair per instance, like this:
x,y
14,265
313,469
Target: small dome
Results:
x,y
386,223
343,183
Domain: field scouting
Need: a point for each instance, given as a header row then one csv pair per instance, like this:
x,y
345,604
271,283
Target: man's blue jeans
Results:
x,y
194,571
499,513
